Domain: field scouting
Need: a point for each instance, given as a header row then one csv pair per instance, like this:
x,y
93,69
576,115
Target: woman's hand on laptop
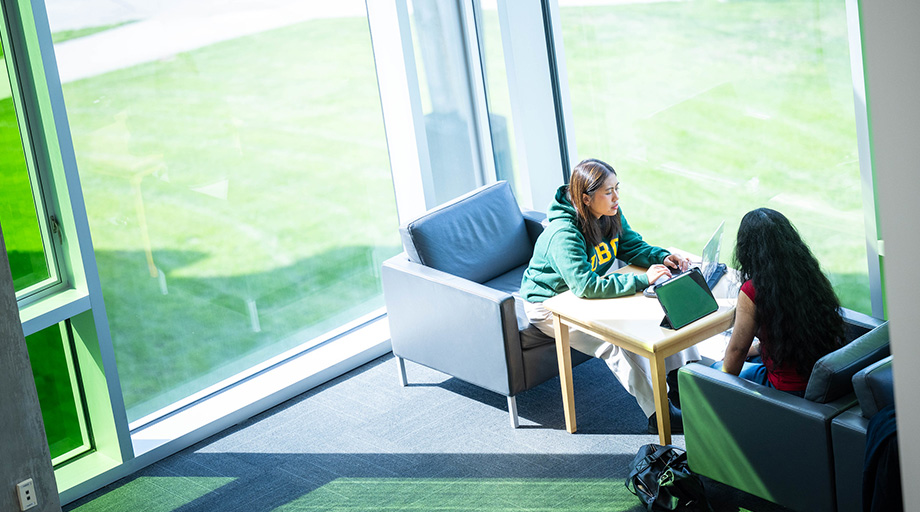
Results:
x,y
656,272
676,263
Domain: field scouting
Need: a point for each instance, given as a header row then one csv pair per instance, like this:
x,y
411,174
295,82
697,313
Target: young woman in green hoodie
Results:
x,y
586,234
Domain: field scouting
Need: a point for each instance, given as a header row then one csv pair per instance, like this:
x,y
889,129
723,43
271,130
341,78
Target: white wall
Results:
x,y
891,50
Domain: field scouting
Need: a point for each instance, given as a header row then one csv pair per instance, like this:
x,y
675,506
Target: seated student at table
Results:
x,y
587,232
786,301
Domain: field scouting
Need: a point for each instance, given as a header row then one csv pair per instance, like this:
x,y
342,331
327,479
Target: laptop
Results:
x,y
709,265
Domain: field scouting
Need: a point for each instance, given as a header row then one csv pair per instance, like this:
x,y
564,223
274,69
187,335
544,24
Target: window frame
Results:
x,y
75,299
47,217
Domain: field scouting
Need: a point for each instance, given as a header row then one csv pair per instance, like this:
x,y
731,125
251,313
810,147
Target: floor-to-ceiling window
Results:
x,y
236,180
710,109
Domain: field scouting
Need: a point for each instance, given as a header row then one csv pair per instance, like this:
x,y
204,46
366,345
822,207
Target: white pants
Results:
x,y
632,370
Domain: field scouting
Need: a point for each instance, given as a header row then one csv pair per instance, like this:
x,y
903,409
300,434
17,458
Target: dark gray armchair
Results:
x,y
874,386
767,442
452,301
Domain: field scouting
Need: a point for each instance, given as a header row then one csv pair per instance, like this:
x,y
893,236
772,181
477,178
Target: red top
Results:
x,y
784,378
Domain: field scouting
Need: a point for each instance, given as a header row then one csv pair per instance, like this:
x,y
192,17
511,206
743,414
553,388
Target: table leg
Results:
x,y
660,389
564,357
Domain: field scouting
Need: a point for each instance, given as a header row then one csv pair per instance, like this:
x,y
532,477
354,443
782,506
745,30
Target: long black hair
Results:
x,y
796,307
588,176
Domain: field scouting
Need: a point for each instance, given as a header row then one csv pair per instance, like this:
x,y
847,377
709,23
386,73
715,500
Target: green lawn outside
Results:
x,y
260,166
710,109
21,233
261,169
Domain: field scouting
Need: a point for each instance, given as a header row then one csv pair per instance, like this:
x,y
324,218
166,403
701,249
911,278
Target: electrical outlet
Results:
x,y
27,498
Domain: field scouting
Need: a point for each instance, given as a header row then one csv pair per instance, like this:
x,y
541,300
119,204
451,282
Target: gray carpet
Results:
x,y
363,442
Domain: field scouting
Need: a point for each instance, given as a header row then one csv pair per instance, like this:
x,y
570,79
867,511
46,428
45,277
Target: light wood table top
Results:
x,y
633,323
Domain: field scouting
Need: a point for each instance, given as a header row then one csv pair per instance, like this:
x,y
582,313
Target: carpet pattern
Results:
x,y
363,442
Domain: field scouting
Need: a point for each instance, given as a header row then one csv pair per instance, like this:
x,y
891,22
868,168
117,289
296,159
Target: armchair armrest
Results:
x,y
453,325
766,442
533,220
856,324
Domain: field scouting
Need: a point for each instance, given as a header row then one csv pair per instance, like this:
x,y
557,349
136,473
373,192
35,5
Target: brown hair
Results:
x,y
587,177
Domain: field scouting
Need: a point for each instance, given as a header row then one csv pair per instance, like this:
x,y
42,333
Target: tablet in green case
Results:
x,y
685,299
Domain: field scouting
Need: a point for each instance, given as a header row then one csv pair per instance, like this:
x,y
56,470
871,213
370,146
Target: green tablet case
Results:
x,y
685,299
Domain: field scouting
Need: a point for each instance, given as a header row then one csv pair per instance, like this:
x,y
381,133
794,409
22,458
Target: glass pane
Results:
x,y
710,109
440,59
58,393
236,179
496,78
18,217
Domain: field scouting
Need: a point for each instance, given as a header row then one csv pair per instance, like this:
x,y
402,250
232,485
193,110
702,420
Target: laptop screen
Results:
x,y
711,252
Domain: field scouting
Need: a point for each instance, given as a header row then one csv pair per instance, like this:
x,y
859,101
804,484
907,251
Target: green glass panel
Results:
x,y
18,218
49,353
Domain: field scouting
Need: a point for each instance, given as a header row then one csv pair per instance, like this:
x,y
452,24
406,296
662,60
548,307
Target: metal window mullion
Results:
x,y
533,104
400,101
874,252
56,159
559,72
480,128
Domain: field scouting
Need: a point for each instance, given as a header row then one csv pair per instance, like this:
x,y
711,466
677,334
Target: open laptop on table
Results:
x,y
710,267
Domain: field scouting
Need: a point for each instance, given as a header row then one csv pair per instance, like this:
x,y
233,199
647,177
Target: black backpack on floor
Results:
x,y
660,478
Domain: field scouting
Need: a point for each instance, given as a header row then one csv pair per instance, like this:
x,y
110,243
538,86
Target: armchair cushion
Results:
x,y
510,282
874,386
487,224
832,375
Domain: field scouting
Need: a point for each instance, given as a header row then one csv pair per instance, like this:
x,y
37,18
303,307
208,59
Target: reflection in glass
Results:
x,y
18,217
55,373
497,92
236,180
444,83
711,109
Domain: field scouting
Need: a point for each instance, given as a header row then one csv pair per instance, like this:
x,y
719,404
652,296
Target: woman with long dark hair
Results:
x,y
586,234
786,302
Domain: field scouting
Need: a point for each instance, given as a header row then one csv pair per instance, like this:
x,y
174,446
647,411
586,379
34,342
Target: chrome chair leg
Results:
x,y
402,371
512,410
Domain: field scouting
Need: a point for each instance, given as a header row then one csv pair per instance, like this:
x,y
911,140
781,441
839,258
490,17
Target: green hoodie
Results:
x,y
563,261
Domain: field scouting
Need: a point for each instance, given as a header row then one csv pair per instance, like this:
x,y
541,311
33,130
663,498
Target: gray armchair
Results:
x,y
767,442
452,300
874,387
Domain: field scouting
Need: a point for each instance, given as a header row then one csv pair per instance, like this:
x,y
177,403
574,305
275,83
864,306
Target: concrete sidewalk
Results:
x,y
168,27
163,28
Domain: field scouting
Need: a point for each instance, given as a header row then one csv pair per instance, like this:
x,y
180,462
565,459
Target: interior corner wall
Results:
x,y
24,451
890,40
